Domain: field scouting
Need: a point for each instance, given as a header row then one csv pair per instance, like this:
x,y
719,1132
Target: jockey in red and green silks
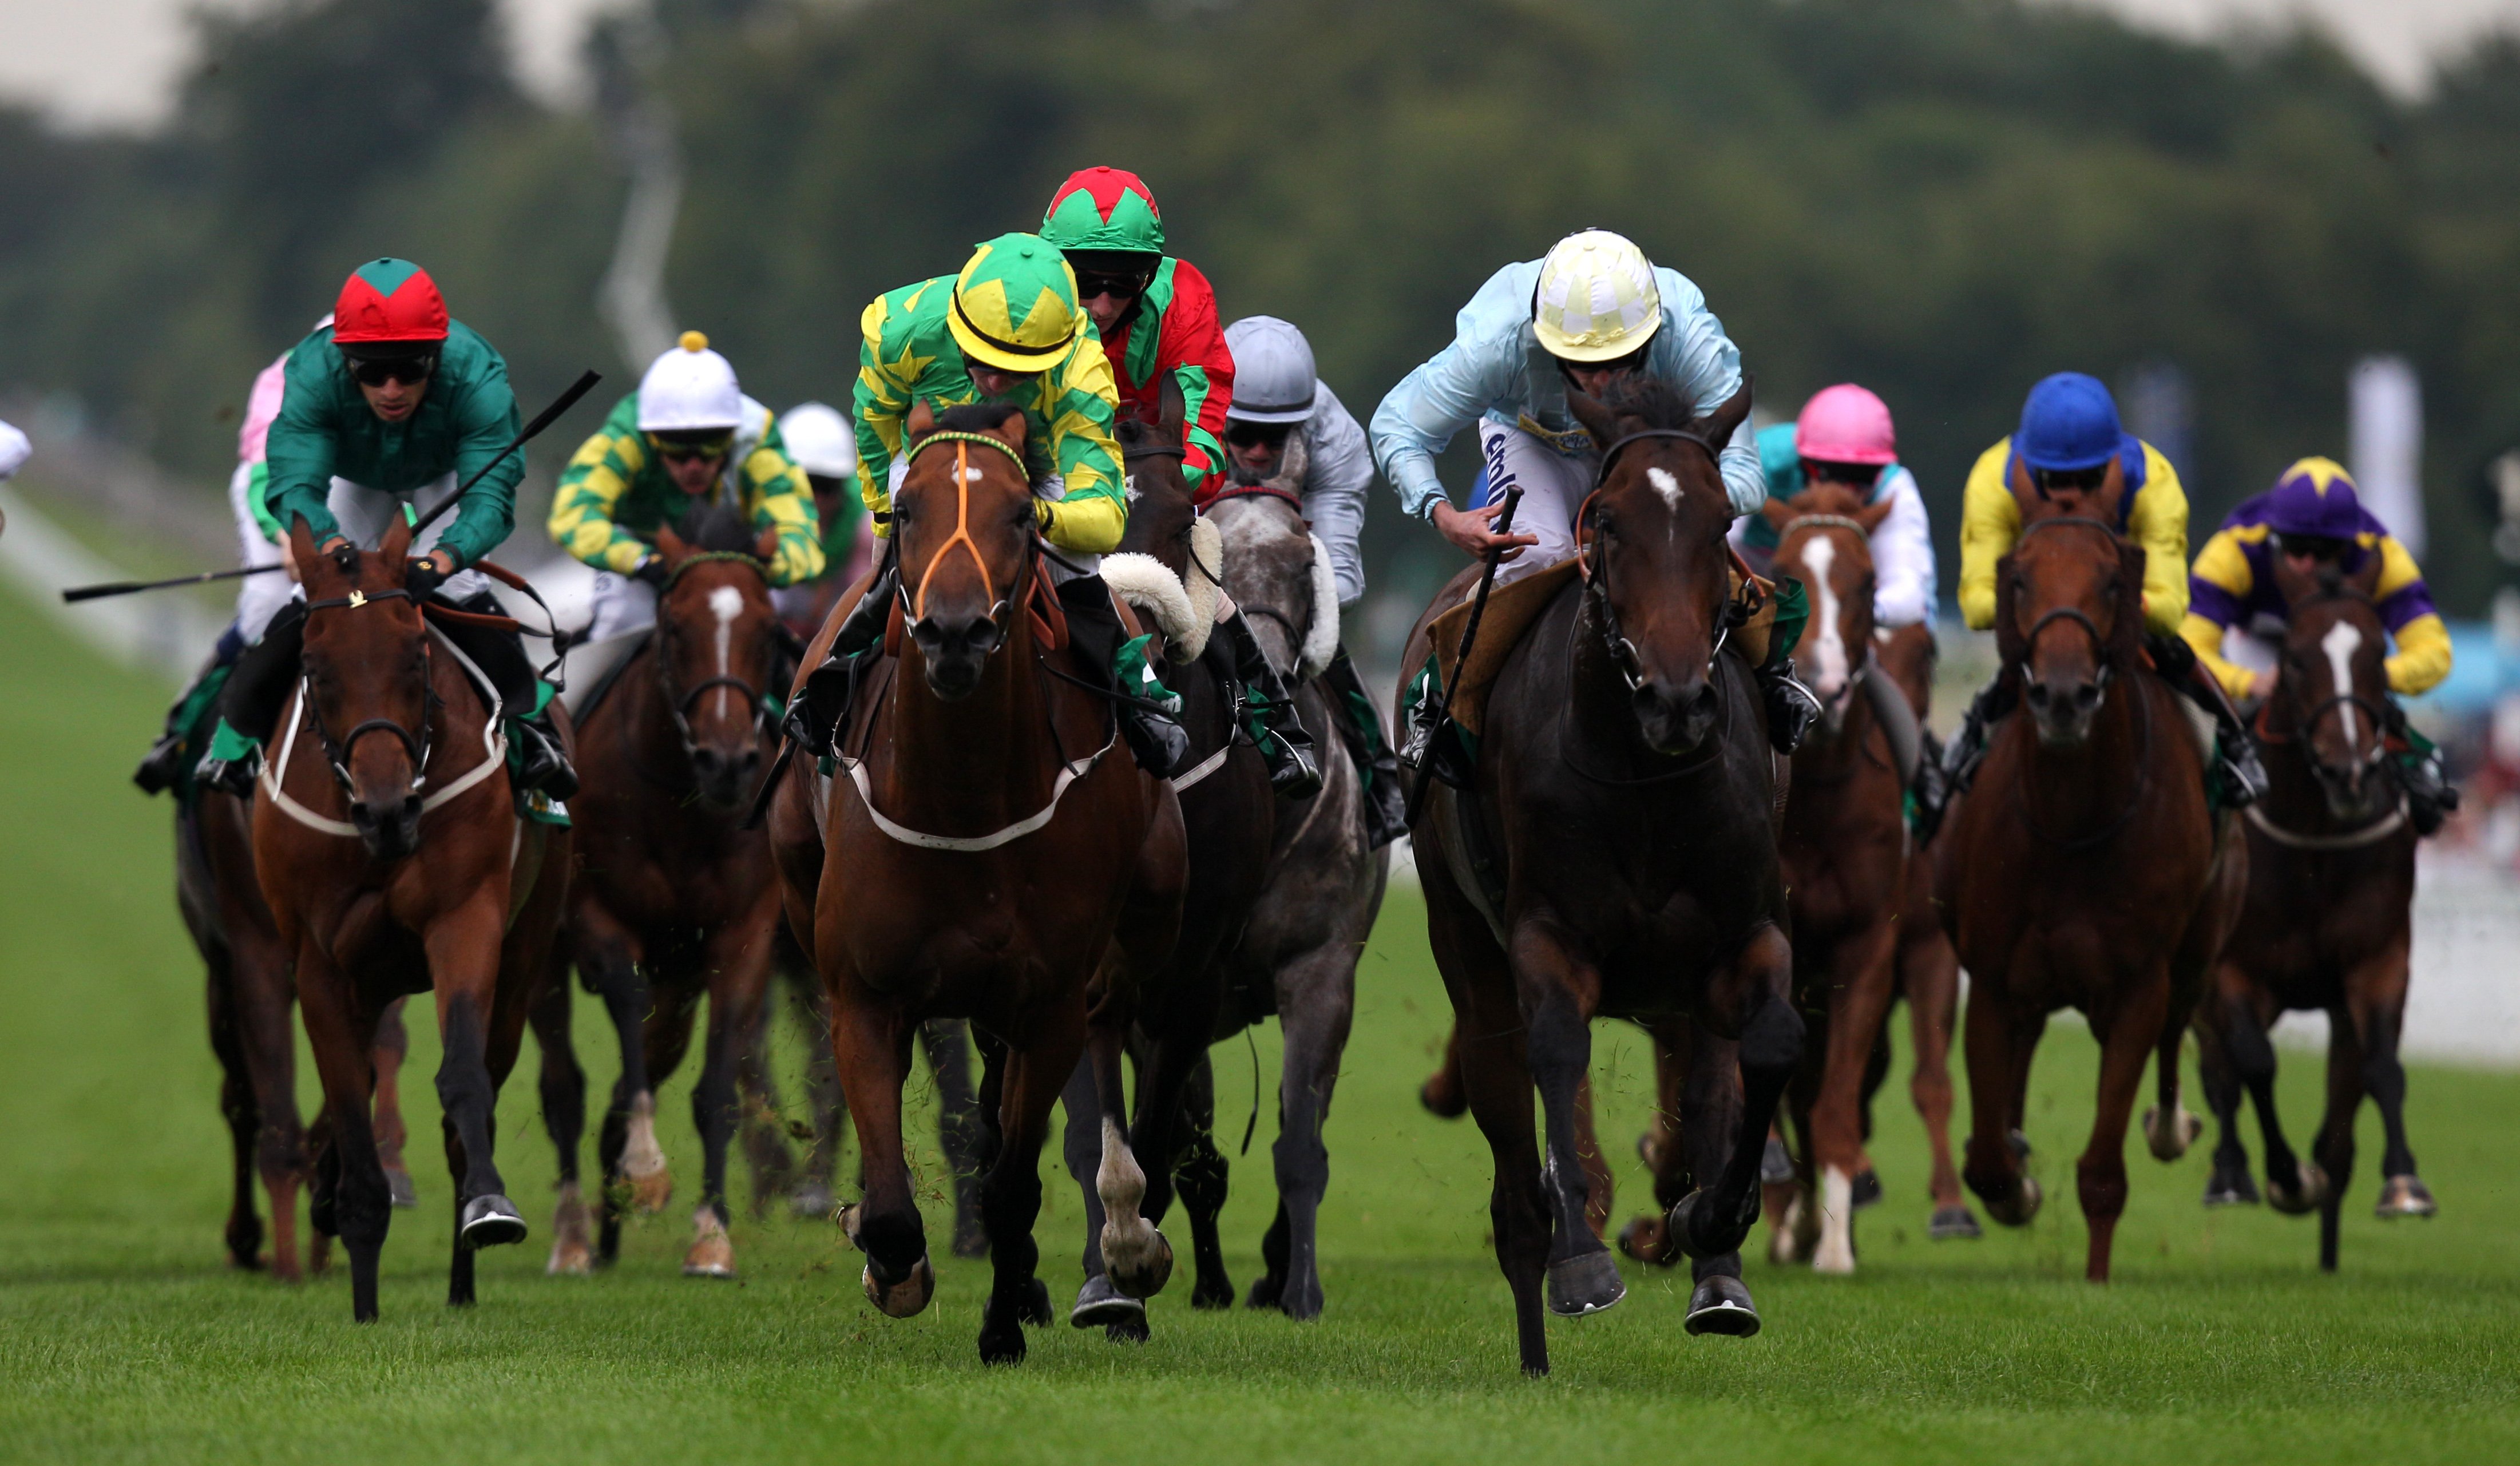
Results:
x,y
1156,314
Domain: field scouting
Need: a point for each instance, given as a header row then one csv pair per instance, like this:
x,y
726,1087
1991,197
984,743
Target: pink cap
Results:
x,y
1846,424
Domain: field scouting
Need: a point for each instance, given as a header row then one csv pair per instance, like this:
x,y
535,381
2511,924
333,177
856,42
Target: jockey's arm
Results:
x,y
1202,366
1338,470
2158,521
1078,401
2217,590
879,405
1445,394
1708,368
590,489
297,452
1903,559
1990,521
778,496
2421,658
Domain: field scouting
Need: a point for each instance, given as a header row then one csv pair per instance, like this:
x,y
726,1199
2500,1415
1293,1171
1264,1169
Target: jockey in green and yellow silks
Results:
x,y
688,436
2312,518
2070,440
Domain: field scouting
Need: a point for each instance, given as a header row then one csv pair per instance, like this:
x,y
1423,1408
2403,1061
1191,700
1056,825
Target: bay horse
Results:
x,y
984,847
2081,867
674,898
2326,925
1625,784
392,742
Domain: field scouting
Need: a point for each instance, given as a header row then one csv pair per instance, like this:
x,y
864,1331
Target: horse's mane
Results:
x,y
1654,403
715,527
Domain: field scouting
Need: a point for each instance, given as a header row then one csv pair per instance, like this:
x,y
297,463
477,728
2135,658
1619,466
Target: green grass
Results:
x,y
122,1336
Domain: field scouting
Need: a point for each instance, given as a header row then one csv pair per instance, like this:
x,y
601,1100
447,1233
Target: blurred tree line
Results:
x,y
1942,198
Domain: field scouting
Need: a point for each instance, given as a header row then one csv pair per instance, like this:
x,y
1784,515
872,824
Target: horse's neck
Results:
x,y
1830,755
2074,791
985,757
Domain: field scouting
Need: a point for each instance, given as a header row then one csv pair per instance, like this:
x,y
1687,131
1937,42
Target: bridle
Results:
x,y
2101,657
336,752
914,607
1863,537
1295,633
680,705
1596,576
2385,719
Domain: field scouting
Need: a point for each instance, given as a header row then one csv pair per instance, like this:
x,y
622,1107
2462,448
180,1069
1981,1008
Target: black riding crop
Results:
x,y
1470,637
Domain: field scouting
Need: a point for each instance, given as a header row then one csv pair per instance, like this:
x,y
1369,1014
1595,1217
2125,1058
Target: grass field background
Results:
x,y
123,1337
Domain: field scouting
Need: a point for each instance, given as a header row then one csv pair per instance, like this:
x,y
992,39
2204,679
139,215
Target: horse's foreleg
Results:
x,y
947,1044
2334,1145
1999,1043
1098,1301
1139,1259
1755,999
1558,991
2376,997
737,958
242,1111
463,961
1029,1079
632,1164
563,1088
2228,1184
1317,1009
393,1042
1663,1147
1930,973
2293,1185
1201,1177
1859,1000
2129,1033
871,1047
343,1036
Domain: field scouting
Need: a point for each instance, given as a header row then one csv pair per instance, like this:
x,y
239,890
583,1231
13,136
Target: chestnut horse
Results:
x,y
2080,869
1625,784
2326,925
674,899
984,847
392,745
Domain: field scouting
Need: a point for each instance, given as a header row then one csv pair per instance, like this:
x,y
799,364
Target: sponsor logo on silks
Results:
x,y
542,809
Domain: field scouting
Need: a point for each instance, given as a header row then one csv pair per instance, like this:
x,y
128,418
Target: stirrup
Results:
x,y
1792,708
543,767
163,766
234,776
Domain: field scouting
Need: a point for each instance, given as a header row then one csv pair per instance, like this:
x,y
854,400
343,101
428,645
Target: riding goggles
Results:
x,y
2319,547
1257,434
376,371
1855,475
1128,287
683,450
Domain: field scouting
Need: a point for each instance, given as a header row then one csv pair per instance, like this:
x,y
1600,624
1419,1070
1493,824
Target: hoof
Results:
x,y
1584,1283
1776,1164
1867,1189
570,1259
1033,1311
1722,1306
1268,1291
1703,1234
1650,1145
713,1253
1647,1239
1212,1290
399,1190
1301,1298
491,1221
2169,1141
908,1297
1954,1224
2302,1198
2017,1208
1002,1336
2020,1144
970,1238
650,1192
1127,1331
1443,1097
813,1201
2405,1196
1785,1236
571,1255
1138,1267
1100,1302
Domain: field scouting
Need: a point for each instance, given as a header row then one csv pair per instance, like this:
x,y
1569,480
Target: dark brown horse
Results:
x,y
674,899
2328,923
984,847
2081,869
391,746
1615,856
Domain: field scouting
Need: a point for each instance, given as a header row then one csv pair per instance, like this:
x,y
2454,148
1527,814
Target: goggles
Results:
x,y
1118,286
2317,547
1256,435
1858,475
682,450
2084,480
376,371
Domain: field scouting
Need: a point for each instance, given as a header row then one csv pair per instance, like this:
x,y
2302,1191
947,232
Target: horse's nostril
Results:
x,y
2087,696
2037,692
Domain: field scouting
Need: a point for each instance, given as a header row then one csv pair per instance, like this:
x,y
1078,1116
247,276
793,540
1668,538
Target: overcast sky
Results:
x,y
114,62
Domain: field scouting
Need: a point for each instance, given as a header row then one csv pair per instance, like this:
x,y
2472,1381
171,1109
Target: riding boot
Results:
x,y
542,764
815,718
2431,798
2237,778
1386,808
169,758
249,704
1270,719
1932,791
1792,708
1155,740
1968,746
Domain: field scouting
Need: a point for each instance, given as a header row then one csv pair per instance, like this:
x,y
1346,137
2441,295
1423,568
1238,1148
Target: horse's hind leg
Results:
x,y
2347,1064
1930,973
1558,993
2294,1185
947,1043
1756,995
1317,1009
1028,1081
1859,1001
1199,1175
243,1115
357,1206
632,1164
737,959
2376,997
2229,1184
393,1040
562,1089
1098,1300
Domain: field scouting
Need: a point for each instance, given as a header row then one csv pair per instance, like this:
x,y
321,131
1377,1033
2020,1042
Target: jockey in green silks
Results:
x,y
386,411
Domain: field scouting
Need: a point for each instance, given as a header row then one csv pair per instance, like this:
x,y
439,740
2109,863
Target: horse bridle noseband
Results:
x,y
1294,634
914,609
2385,719
336,753
679,705
1596,580
2074,613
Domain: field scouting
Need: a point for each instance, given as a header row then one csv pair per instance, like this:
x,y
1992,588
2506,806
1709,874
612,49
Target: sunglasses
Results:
x,y
1854,476
2313,548
408,368
1117,287
683,450
2087,480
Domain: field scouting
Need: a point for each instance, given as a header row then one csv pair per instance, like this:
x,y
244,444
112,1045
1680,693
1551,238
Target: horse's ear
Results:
x,y
1173,410
1778,514
1871,515
2125,636
2111,494
1729,418
673,547
1012,428
396,546
921,420
2293,584
2008,647
301,544
2025,495
1598,418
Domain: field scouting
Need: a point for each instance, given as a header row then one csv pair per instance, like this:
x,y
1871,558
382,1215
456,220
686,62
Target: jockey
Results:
x,y
688,435
2314,518
1007,329
1845,436
1580,318
386,411
1155,314
260,597
14,451
1287,431
823,444
2068,441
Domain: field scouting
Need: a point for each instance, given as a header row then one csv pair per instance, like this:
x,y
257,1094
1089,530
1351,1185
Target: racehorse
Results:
x,y
394,727
2327,922
2090,805
984,848
674,899
1624,786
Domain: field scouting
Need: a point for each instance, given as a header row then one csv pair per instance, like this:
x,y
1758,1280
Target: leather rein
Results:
x,y
1597,576
336,752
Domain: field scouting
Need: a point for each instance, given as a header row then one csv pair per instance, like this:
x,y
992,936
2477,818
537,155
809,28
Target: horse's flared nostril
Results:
x,y
2087,696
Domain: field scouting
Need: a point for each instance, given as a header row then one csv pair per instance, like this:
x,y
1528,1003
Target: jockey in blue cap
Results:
x,y
2071,444
2314,518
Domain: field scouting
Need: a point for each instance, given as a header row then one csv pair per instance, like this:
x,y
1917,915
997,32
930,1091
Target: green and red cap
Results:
x,y
389,302
1105,210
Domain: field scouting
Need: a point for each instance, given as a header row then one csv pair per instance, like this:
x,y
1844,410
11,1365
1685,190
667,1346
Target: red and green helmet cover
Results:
x,y
1105,208
388,300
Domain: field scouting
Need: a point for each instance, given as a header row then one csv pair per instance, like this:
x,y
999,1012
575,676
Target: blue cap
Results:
x,y
2069,424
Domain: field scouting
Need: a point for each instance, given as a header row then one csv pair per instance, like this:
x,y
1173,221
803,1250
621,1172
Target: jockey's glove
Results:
x,y
421,577
653,571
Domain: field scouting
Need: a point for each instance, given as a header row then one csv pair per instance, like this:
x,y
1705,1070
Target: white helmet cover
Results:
x,y
1597,299
689,389
1274,380
818,440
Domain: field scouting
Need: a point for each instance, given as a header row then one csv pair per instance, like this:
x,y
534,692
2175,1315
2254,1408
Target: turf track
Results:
x,y
121,1336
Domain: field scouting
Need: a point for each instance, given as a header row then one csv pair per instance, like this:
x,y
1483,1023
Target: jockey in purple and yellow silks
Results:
x,y
2313,518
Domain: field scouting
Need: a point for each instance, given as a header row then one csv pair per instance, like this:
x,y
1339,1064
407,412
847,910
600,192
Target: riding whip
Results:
x,y
1469,637
544,418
